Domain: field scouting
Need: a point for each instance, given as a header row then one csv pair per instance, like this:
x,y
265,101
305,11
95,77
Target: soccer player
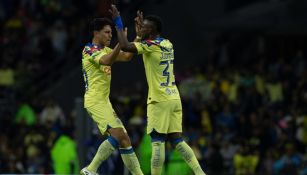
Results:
x,y
96,64
164,110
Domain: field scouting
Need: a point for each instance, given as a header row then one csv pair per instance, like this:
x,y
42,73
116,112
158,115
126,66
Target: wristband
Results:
x,y
118,22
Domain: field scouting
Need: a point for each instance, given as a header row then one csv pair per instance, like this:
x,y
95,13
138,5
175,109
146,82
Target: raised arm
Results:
x,y
110,58
122,39
126,56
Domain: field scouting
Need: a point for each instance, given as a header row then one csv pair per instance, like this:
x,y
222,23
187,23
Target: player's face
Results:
x,y
147,29
104,36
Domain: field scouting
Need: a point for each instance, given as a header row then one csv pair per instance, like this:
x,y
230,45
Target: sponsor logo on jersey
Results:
x,y
106,69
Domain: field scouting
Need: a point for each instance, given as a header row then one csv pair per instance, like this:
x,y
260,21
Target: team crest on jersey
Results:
x,y
106,69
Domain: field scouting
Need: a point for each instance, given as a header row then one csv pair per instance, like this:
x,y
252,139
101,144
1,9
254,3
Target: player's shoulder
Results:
x,y
157,42
166,44
90,49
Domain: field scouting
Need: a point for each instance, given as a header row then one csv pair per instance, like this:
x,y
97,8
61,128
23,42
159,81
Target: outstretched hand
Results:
x,y
116,17
138,20
114,11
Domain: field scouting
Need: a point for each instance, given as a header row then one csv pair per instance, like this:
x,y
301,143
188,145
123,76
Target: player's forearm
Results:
x,y
110,58
125,45
127,56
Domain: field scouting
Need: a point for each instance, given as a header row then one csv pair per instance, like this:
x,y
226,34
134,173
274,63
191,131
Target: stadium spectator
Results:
x,y
64,155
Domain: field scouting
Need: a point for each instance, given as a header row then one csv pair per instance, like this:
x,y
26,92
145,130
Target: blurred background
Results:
x,y
240,67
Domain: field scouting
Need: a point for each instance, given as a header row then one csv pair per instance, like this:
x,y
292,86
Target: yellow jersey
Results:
x,y
158,58
97,77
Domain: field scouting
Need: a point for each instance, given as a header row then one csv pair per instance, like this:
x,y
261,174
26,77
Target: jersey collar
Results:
x,y
91,45
159,39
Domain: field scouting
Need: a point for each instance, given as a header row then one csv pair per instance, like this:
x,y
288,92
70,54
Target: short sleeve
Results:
x,y
94,55
143,47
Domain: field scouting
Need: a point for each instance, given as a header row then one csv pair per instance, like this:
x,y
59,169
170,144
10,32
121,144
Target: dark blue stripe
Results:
x,y
156,139
160,39
176,141
126,151
113,142
89,44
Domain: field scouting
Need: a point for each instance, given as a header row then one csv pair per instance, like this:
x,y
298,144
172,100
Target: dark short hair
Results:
x,y
98,23
156,20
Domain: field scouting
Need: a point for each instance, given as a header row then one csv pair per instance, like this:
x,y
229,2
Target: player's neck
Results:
x,y
95,42
153,37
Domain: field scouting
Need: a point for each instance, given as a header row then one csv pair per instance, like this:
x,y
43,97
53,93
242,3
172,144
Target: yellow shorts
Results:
x,y
164,117
105,117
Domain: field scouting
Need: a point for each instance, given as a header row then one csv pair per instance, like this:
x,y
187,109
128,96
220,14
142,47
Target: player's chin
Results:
x,y
107,43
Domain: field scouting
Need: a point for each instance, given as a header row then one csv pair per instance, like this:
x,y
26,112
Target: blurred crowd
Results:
x,y
242,115
36,37
252,117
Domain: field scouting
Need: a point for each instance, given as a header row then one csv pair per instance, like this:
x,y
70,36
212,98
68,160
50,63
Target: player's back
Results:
x,y
97,78
158,57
